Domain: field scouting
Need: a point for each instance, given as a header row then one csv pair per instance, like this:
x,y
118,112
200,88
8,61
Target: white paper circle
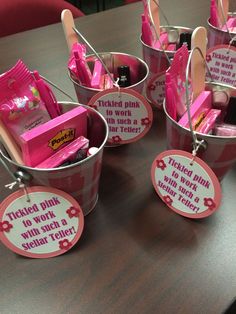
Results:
x,y
189,188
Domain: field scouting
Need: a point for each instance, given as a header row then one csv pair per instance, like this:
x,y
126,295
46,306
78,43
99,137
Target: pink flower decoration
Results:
x,y
65,244
145,121
94,107
209,203
116,139
167,199
73,212
160,164
151,87
5,226
208,58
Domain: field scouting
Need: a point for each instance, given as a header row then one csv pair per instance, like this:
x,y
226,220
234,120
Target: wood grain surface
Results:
x,y
135,255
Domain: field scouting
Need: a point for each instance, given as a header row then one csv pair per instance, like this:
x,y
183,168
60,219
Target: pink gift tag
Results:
x,y
188,187
128,114
45,223
156,89
221,61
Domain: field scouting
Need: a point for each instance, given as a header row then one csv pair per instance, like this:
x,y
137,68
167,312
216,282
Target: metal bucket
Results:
x,y
220,152
158,63
138,73
81,179
217,36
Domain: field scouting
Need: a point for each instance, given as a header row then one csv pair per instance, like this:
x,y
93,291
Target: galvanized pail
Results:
x,y
81,179
220,151
138,73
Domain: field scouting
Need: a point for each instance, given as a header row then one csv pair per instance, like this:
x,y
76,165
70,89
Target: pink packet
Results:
x,y
21,107
208,123
225,129
198,110
44,140
66,154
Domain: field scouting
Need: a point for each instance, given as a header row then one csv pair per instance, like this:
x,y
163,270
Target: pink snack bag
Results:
x,y
67,153
21,107
46,139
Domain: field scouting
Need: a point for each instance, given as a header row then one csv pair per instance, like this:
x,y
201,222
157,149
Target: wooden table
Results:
x,y
135,255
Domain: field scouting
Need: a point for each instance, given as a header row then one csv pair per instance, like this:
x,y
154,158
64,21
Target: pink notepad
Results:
x,y
43,141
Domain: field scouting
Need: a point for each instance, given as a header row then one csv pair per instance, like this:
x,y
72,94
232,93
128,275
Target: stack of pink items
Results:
x,y
33,129
91,73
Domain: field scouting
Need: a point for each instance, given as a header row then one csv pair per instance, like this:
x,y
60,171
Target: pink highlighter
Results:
x,y
47,96
214,17
147,35
170,98
83,72
98,72
44,140
198,110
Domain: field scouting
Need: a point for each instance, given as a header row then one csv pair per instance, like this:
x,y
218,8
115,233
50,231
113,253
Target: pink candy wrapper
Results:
x,y
67,153
21,107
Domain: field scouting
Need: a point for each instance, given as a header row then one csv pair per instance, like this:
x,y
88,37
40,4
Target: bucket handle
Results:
x,y
196,142
55,86
115,83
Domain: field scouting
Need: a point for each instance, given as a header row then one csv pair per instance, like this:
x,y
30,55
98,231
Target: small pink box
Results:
x,y
44,140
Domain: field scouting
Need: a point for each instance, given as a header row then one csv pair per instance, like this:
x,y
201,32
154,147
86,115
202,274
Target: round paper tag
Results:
x,y
47,223
221,61
128,114
156,89
189,188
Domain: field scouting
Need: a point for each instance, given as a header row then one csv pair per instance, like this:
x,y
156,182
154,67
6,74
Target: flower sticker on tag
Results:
x,y
221,61
44,223
189,187
128,114
156,89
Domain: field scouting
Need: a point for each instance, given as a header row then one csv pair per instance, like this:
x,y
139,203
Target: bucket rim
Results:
x,y
166,26
220,30
116,53
68,166
203,136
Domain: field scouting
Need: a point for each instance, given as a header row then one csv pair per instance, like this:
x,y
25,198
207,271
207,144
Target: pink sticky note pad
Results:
x,y
43,141
201,105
